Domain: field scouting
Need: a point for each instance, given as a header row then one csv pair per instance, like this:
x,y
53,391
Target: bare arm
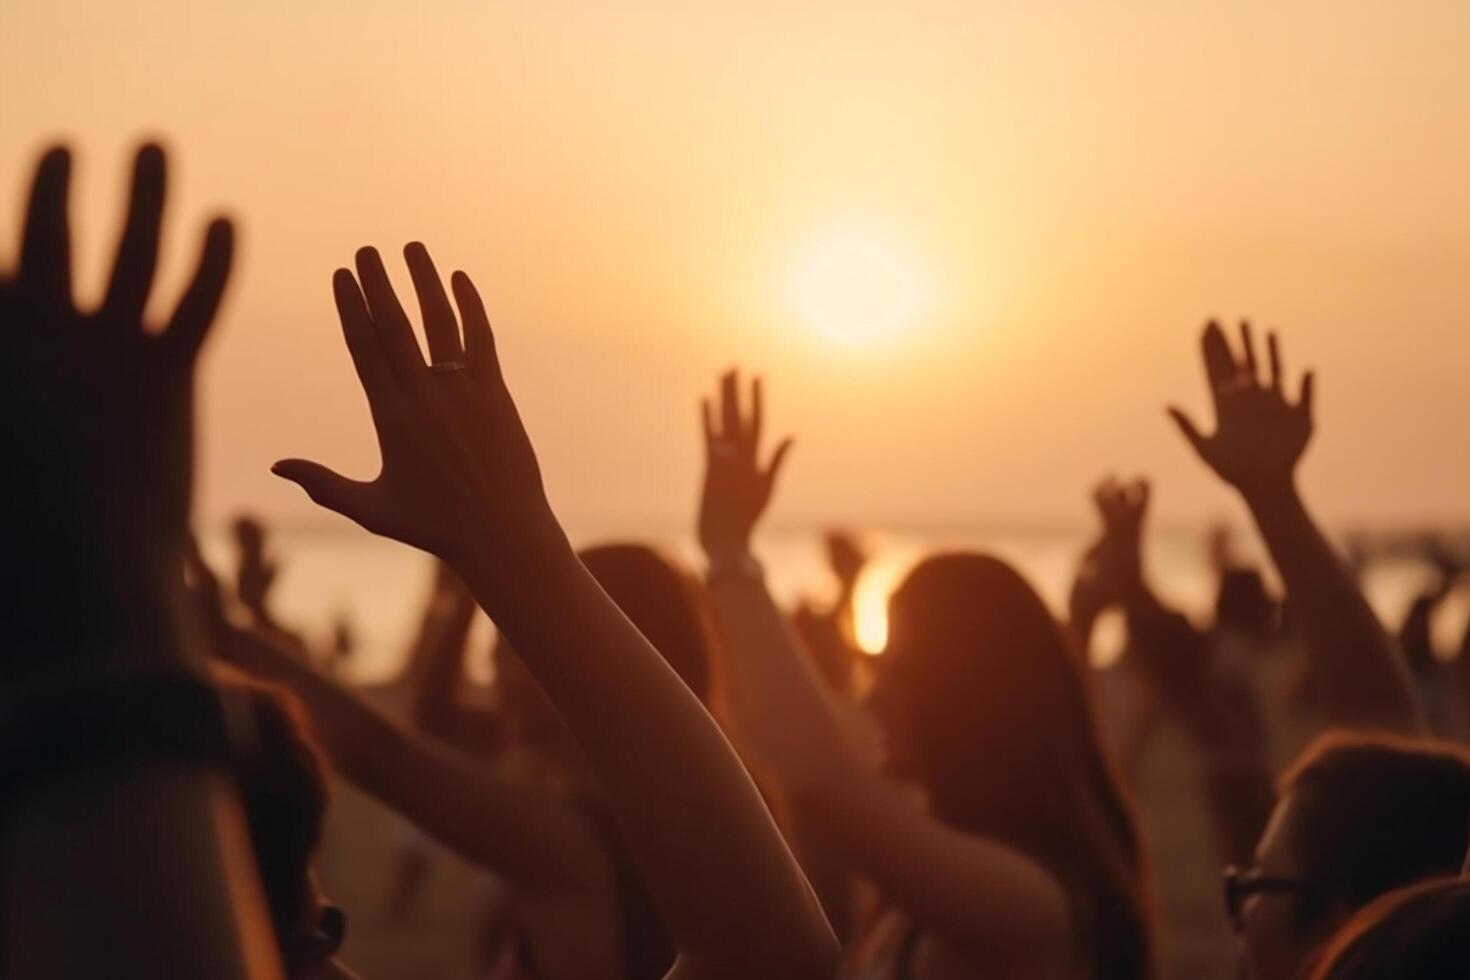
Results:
x,y
1220,712
533,840
97,416
437,669
460,480
1259,439
973,893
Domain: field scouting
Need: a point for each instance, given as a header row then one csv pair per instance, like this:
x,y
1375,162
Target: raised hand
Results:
x,y
458,470
98,439
846,558
1259,434
737,487
1112,569
256,572
1259,439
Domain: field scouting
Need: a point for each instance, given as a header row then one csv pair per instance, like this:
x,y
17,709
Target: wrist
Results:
x,y
739,566
1267,494
724,543
506,562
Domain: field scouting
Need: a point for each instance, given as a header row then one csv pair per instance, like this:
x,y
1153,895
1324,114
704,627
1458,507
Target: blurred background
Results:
x,y
969,245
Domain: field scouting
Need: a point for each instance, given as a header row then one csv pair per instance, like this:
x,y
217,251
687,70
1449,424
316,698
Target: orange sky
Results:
x,y
1075,185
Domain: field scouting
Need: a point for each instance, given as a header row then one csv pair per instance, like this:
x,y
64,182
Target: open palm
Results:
x,y
458,470
737,487
98,405
1260,435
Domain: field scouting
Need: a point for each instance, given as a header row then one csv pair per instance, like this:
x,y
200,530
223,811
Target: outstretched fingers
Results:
x,y
1190,430
778,459
479,339
372,366
1304,403
1221,370
1249,372
440,326
45,257
730,426
195,313
395,335
1275,350
707,419
137,250
757,416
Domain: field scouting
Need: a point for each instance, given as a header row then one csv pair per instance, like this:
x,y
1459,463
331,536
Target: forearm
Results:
x,y
772,685
1363,678
439,654
717,867
512,831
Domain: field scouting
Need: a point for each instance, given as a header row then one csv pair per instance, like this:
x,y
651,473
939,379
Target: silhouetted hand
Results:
x,y
256,573
207,596
98,407
1112,569
458,470
1259,435
736,487
846,557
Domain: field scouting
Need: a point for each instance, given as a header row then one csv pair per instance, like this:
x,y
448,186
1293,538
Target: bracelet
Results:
x,y
117,720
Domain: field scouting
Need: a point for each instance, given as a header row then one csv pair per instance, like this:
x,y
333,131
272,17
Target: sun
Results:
x,y
856,289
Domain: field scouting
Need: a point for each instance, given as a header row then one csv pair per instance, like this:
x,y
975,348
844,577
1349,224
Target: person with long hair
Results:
x,y
577,903
1021,859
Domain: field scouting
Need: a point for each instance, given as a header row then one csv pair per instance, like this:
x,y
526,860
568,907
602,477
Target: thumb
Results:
x,y
331,490
1191,432
773,469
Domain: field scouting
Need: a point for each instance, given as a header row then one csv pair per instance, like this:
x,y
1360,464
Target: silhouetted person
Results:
x,y
1259,439
123,846
460,480
1023,859
1417,933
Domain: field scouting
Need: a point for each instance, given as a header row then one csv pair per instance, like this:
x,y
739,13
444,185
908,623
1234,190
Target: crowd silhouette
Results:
x,y
673,774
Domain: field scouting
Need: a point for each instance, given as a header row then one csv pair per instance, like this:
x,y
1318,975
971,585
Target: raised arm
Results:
x,y
515,830
973,894
126,808
1216,707
460,480
436,672
1260,437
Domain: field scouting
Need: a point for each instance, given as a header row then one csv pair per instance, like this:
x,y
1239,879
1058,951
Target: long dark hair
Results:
x,y
1008,746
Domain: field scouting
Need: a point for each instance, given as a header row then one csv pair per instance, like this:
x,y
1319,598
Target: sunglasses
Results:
x,y
1242,883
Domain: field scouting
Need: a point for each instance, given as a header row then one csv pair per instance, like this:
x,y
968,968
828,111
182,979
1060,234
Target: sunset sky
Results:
x,y
1041,201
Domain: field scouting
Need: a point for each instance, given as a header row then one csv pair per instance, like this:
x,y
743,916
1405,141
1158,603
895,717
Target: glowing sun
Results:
x,y
855,289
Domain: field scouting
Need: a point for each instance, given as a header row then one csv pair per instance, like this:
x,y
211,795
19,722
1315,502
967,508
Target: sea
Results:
x,y
331,574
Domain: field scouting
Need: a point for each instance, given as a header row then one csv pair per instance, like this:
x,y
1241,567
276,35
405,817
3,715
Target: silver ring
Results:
x,y
448,367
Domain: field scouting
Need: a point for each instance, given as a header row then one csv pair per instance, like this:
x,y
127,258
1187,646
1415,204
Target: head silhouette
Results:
x,y
983,704
1358,816
1418,933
